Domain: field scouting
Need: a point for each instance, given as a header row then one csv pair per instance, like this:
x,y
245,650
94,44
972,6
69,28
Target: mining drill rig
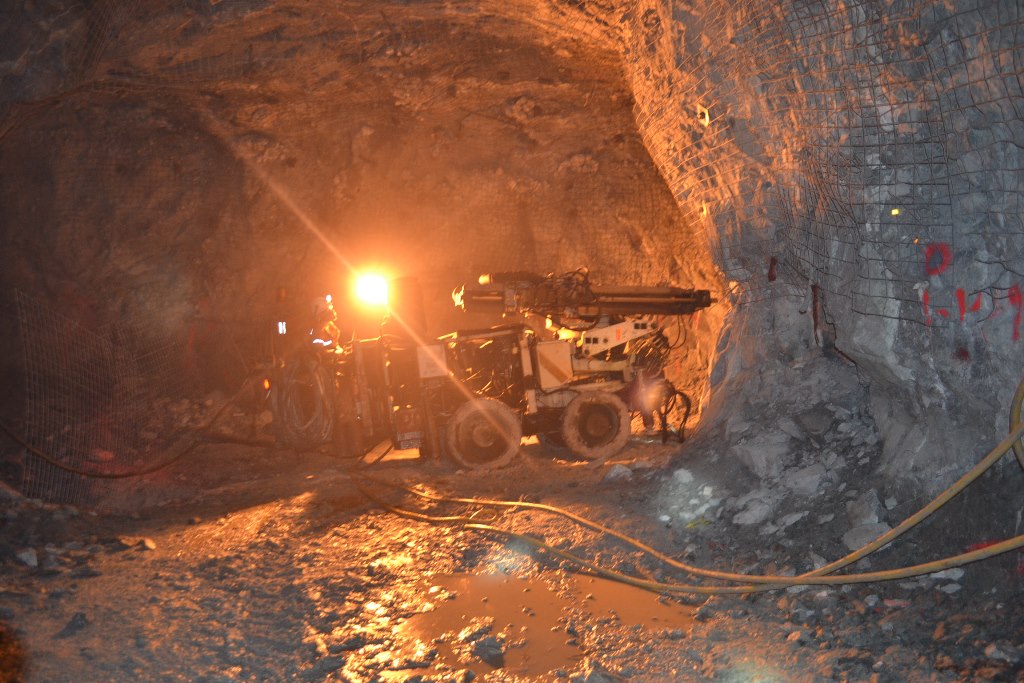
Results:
x,y
573,380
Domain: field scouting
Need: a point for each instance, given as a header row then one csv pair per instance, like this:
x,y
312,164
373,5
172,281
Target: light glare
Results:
x,y
372,289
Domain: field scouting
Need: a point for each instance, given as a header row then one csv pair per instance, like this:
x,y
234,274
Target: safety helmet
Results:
x,y
323,307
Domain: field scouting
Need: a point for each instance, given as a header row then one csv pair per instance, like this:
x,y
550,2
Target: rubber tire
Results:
x,y
1016,415
483,433
600,439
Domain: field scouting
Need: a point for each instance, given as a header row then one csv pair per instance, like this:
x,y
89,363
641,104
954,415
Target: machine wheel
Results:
x,y
595,425
483,433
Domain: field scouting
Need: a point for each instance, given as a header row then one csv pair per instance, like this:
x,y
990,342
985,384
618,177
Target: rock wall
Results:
x,y
853,169
870,151
170,166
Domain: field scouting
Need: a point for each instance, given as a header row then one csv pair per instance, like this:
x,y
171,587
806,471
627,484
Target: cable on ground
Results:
x,y
46,457
762,582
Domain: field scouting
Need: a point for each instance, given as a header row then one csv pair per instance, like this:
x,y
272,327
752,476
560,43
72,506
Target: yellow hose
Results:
x,y
1016,417
766,582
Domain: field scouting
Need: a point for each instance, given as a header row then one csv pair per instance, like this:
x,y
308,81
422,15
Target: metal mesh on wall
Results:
x,y
866,147
186,157
871,148
205,46
96,401
841,139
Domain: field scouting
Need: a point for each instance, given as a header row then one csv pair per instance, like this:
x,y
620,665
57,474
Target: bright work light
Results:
x,y
372,289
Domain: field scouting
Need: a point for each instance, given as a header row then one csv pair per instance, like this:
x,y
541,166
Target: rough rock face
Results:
x,y
182,162
852,169
870,151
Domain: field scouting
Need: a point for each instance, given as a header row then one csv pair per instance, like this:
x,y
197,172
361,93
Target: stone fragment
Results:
x,y
148,543
792,518
490,649
85,573
816,421
890,503
817,561
951,588
764,454
840,412
865,509
28,557
805,481
826,518
1004,652
594,672
796,637
74,625
864,534
756,512
792,428
618,472
682,476
51,563
954,574
477,628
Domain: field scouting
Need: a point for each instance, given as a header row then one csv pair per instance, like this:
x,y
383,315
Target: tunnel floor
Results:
x,y
264,565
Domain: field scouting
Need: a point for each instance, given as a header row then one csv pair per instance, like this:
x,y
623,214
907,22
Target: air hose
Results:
x,y
302,402
754,583
1016,417
46,457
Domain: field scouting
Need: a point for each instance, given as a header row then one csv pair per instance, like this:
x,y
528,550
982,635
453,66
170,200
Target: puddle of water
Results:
x,y
630,605
526,613
522,610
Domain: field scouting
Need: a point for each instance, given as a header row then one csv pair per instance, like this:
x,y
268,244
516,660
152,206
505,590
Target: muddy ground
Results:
x,y
255,564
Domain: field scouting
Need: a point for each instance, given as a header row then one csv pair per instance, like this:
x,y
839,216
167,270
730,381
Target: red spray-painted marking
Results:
x,y
937,258
1017,300
961,303
772,265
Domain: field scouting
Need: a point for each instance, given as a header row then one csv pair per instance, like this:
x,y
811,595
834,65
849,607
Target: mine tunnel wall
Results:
x,y
859,164
854,170
166,168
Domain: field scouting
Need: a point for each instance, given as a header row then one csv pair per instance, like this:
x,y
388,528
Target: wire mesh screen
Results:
x,y
844,140
864,147
99,402
873,149
456,66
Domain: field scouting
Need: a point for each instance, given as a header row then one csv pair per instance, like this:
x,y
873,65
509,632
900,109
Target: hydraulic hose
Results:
x,y
471,522
764,582
302,402
46,457
1016,417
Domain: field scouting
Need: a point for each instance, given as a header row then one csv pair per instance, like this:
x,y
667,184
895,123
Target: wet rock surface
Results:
x,y
271,566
